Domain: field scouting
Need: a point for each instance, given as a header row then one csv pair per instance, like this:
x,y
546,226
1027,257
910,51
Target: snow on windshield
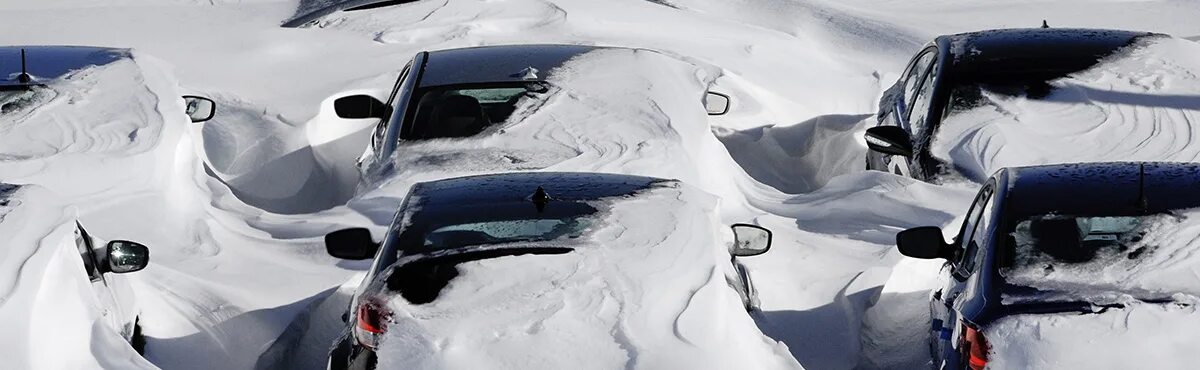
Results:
x,y
1129,338
1152,256
1140,104
646,290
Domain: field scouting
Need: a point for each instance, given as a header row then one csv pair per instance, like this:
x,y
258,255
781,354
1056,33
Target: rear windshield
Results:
x,y
1136,255
505,231
464,111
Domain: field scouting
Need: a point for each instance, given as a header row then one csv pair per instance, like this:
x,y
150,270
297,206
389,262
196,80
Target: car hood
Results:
x,y
1136,335
646,289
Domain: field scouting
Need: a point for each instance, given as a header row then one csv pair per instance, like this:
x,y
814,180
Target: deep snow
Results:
x,y
234,208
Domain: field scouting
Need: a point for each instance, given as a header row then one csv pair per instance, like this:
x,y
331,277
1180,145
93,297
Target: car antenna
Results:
x,y
540,199
24,76
1044,24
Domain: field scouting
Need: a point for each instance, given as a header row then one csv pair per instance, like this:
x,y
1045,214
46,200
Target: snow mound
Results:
x,y
1140,104
1137,336
645,290
47,306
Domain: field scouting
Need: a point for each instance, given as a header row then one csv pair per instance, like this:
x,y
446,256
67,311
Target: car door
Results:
x,y
945,305
902,100
95,271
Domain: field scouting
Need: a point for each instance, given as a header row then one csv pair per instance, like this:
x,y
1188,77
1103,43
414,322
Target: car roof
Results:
x,y
1057,50
46,63
518,187
1115,188
498,63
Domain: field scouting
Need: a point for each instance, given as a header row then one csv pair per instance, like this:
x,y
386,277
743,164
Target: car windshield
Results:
x,y
507,231
466,110
1120,253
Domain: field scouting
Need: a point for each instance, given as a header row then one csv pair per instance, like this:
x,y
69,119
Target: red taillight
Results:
x,y
372,322
974,347
370,319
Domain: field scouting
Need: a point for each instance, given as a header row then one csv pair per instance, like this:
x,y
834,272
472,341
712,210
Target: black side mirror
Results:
x,y
351,244
360,106
199,108
126,256
716,103
923,242
889,140
750,240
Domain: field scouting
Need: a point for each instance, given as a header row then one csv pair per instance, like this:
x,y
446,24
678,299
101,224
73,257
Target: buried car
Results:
x,y
458,93
56,285
955,77
1059,265
573,264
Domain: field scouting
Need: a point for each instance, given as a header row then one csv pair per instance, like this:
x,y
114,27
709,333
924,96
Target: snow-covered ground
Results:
x,y
234,209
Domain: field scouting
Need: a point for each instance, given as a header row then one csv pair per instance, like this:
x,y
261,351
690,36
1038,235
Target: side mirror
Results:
x,y
923,242
750,240
351,244
889,140
126,256
199,108
716,103
360,106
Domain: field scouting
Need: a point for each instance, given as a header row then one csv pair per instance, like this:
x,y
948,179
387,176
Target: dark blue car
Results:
x,y
951,73
1044,217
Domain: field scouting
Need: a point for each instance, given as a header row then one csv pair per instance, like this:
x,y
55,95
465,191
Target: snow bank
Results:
x,y
1136,337
646,289
1155,259
1140,104
47,305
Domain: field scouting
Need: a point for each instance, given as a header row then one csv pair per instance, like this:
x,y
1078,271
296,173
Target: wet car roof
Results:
x,y
498,63
1118,188
1056,51
46,63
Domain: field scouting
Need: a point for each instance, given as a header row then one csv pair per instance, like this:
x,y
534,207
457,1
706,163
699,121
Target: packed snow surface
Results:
x,y
644,288
234,209
1127,338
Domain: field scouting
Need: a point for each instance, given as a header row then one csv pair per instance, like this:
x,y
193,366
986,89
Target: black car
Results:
x,y
459,93
444,223
1040,219
950,74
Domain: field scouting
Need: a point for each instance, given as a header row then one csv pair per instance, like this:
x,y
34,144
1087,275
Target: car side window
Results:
x,y
381,127
84,243
920,105
975,233
912,77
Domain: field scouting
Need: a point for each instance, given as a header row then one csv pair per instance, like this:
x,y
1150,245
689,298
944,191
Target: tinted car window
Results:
x,y
967,239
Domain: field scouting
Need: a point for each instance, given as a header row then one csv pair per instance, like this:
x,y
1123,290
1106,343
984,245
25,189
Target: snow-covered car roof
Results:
x,y
45,63
497,63
1127,188
1057,51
